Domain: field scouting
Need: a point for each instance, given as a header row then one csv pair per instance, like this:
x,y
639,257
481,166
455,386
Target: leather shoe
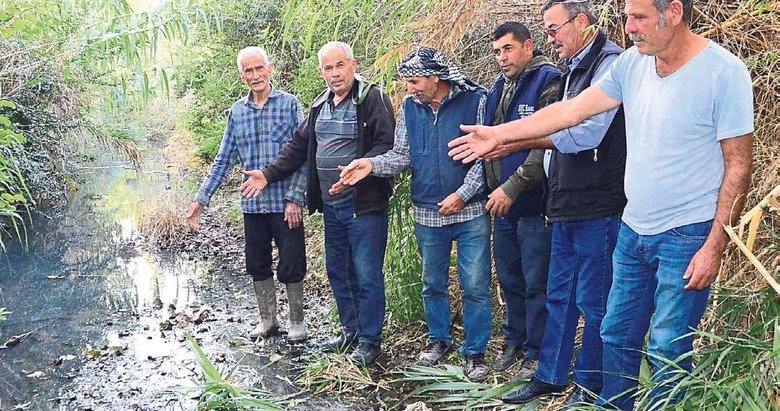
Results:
x,y
509,355
578,398
341,342
365,354
531,391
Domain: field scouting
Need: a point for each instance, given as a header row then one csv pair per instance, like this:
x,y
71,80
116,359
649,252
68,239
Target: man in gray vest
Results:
x,y
350,119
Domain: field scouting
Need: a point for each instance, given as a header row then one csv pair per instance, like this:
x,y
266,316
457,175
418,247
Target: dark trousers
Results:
x,y
521,247
259,230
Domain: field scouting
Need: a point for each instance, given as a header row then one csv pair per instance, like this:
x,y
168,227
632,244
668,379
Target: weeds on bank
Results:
x,y
403,266
451,390
336,375
162,219
736,367
219,392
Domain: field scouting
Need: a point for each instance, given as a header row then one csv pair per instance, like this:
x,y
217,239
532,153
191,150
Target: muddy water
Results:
x,y
87,304
80,284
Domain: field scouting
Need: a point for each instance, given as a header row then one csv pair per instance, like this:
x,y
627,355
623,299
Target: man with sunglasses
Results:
x,y
584,165
689,133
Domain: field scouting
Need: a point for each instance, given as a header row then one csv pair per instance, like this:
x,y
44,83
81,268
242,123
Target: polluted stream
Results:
x,y
98,321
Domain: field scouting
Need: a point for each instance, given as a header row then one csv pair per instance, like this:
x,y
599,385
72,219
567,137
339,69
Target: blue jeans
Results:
x,y
521,248
579,280
354,255
649,277
473,239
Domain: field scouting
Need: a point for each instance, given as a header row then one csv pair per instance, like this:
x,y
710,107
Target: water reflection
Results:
x,y
80,278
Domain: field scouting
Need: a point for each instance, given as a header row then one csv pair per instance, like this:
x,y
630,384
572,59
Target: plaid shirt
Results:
x,y
399,158
254,135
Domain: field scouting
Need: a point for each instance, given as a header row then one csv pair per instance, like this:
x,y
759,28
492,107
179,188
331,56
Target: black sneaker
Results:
x,y
434,352
509,355
476,369
365,354
341,342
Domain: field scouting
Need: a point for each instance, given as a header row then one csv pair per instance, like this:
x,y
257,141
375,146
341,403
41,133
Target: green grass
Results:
x,y
403,266
449,389
218,391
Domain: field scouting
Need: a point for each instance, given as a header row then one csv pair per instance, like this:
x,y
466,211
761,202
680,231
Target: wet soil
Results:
x,y
99,318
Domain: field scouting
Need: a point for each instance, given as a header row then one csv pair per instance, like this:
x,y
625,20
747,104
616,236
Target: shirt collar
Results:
x,y
248,98
574,62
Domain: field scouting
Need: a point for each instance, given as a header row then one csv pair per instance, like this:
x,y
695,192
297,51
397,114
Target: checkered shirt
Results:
x,y
254,136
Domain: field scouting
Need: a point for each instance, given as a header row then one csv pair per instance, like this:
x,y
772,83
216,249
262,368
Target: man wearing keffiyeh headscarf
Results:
x,y
448,200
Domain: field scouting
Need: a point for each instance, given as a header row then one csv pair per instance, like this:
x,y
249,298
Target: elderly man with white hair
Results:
x,y
350,119
258,126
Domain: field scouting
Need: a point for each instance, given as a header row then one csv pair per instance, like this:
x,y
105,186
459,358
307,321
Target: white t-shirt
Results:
x,y
674,162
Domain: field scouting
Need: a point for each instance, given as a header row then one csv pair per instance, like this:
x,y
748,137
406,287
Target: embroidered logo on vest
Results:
x,y
525,110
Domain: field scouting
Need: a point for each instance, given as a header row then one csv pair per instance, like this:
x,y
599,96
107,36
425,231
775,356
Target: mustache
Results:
x,y
636,37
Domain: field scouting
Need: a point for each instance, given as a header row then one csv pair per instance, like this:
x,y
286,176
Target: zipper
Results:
x,y
595,154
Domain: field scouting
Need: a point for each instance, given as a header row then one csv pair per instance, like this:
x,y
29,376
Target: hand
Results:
x,y
355,171
703,268
502,150
337,187
498,203
451,205
293,214
254,184
480,141
193,215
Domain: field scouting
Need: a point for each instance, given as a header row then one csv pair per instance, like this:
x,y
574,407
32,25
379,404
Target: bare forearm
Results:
x,y
531,132
733,190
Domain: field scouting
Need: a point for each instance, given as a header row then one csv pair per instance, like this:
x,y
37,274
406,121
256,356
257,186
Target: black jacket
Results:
x,y
376,127
589,184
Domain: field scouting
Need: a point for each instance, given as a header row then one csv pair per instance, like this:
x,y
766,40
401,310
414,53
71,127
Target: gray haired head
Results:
x,y
335,45
661,6
573,8
250,51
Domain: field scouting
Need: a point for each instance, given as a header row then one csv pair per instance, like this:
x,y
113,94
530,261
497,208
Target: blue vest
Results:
x,y
523,104
434,174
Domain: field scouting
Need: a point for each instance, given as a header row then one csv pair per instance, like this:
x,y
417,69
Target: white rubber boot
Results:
x,y
266,301
297,331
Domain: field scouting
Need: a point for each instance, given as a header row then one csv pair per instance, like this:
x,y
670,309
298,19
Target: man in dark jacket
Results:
x,y
521,238
585,165
351,119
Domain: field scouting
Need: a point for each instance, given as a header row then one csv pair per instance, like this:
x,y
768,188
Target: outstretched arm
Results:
x,y
738,159
481,140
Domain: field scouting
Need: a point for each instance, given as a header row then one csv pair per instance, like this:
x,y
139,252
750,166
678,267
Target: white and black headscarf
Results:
x,y
427,61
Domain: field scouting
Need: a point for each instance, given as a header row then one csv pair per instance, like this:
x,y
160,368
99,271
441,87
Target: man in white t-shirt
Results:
x,y
689,129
